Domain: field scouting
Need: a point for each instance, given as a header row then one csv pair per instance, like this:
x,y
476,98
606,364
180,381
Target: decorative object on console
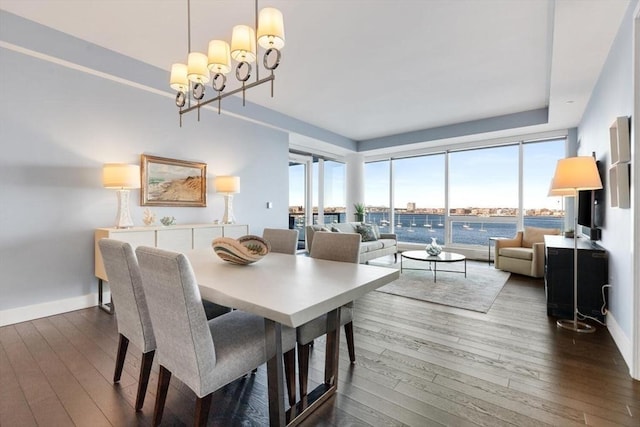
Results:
x,y
168,220
577,174
242,251
171,182
228,185
121,177
433,248
149,218
270,36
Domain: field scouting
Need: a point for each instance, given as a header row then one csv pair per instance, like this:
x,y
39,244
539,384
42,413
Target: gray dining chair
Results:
x,y
132,317
281,240
343,247
204,355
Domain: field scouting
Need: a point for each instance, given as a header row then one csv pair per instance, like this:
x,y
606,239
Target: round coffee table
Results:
x,y
446,257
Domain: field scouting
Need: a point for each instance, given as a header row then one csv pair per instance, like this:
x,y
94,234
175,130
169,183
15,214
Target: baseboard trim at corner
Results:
x,y
622,341
51,308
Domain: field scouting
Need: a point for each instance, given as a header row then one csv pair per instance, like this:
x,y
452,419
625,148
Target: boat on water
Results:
x,y
482,228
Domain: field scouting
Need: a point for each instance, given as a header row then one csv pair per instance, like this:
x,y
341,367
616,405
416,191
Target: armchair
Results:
x,y
524,254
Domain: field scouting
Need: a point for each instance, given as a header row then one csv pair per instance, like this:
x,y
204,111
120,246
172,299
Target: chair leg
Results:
x,y
203,404
161,395
395,257
348,333
123,344
290,375
303,368
143,381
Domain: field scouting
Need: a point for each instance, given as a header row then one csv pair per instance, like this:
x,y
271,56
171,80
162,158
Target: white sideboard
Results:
x,y
177,238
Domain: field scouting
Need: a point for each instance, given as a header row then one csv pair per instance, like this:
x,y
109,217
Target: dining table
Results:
x,y
289,290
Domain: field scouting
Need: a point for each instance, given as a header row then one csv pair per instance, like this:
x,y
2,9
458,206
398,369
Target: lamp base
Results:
x,y
123,217
575,326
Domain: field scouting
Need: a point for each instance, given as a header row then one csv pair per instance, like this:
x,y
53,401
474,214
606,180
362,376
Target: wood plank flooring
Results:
x,y
418,364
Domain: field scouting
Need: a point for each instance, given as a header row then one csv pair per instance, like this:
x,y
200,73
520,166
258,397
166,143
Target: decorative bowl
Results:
x,y
242,251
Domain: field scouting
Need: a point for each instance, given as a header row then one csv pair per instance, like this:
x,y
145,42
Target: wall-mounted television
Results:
x,y
590,208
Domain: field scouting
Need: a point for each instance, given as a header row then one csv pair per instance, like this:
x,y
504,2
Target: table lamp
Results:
x,y
121,177
575,174
228,185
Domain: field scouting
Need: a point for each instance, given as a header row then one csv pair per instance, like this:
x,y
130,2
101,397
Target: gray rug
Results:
x,y
476,292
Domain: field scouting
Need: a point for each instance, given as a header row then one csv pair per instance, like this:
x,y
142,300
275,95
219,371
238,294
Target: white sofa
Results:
x,y
385,243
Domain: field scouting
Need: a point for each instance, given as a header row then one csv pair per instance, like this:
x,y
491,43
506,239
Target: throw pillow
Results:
x,y
376,230
367,233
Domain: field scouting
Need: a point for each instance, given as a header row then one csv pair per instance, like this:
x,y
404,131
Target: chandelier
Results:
x,y
216,64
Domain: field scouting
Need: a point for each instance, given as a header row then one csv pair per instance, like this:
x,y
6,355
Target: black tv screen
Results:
x,y
585,208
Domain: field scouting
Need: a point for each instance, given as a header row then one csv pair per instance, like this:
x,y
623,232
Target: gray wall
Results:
x,y
613,97
59,125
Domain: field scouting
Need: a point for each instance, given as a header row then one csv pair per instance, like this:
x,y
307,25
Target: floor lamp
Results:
x,y
575,174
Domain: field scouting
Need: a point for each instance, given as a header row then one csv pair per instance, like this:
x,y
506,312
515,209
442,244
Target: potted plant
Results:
x,y
359,211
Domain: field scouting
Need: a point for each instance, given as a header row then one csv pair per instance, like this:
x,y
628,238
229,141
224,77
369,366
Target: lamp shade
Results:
x,y
197,70
560,192
243,44
271,28
227,184
219,57
576,173
178,80
120,175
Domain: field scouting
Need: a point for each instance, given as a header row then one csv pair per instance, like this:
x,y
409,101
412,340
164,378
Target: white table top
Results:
x,y
288,289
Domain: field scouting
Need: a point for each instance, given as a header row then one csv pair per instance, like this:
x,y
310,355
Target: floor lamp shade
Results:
x,y
228,185
121,177
574,174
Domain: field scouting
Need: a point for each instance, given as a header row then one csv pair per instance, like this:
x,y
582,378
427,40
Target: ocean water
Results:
x,y
421,228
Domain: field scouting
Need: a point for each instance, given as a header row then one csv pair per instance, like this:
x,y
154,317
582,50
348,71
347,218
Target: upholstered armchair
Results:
x,y
524,254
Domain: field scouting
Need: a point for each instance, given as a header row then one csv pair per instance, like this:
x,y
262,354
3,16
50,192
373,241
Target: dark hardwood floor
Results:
x,y
418,364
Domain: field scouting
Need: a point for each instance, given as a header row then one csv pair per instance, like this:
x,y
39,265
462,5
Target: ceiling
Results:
x,y
378,68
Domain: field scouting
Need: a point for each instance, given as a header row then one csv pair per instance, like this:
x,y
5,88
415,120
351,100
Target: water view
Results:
x,y
420,228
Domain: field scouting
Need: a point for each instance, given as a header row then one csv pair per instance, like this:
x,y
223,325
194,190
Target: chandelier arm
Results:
x,y
232,92
256,36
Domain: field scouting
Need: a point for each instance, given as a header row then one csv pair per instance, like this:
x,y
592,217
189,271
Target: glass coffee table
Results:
x,y
444,257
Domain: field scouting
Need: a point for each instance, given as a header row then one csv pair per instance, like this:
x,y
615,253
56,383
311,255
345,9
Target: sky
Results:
x,y
482,178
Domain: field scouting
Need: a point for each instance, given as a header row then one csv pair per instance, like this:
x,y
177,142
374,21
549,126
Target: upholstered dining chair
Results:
x,y
281,240
132,317
204,355
343,247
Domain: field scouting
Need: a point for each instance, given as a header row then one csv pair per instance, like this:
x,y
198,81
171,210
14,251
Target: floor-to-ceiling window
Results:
x,y
418,198
377,187
463,197
539,163
334,191
483,194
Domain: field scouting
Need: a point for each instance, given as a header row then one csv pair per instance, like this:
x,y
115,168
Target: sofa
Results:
x,y
374,244
524,254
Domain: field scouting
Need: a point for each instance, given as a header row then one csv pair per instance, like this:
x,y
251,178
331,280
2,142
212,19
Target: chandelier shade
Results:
x,y
219,57
179,80
271,28
216,63
243,44
197,70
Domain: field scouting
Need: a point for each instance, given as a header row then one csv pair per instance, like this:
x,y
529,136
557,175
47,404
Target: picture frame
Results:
x,y
172,182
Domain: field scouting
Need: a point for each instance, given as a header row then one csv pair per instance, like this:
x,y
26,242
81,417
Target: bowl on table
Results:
x,y
243,250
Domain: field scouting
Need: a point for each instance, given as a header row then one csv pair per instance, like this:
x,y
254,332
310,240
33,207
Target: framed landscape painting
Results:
x,y
171,182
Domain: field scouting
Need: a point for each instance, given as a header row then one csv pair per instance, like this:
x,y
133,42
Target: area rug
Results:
x,y
476,292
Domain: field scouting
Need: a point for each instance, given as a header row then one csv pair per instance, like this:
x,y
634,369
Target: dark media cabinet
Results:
x,y
593,272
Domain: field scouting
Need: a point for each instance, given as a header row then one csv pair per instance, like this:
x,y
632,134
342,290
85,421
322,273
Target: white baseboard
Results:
x,y
622,341
36,311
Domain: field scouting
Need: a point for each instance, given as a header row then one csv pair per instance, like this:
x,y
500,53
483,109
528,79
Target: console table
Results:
x,y
593,273
179,238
